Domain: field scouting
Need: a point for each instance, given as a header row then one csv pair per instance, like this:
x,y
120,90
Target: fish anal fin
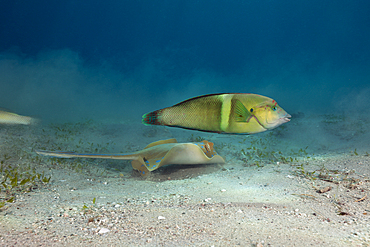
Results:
x,y
172,140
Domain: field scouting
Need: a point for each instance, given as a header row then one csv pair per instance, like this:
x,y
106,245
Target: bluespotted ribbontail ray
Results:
x,y
156,154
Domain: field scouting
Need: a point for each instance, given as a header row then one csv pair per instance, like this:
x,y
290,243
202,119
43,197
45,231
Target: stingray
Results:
x,y
156,154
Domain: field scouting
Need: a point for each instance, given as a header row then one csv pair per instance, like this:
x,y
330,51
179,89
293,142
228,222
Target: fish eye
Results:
x,y
251,110
274,108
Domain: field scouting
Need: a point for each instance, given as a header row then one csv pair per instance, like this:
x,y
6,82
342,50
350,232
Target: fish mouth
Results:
x,y
286,118
281,120
276,123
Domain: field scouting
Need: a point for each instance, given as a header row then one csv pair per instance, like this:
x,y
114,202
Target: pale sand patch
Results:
x,y
237,204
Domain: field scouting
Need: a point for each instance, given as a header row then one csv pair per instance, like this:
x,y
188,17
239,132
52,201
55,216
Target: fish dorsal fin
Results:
x,y
172,140
240,113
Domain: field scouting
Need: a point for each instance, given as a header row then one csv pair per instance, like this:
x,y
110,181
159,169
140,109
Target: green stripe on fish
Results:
x,y
238,113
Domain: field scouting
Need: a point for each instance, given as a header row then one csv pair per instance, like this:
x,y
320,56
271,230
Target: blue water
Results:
x,y
69,60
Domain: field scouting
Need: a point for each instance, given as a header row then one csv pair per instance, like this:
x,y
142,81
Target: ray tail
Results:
x,y
59,154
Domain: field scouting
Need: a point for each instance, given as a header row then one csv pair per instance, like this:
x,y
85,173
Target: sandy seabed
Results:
x,y
272,191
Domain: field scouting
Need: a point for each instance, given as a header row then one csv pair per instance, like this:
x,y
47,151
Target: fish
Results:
x,y
227,113
155,155
12,118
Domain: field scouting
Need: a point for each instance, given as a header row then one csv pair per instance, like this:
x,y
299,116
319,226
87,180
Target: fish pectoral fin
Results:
x,y
140,166
240,113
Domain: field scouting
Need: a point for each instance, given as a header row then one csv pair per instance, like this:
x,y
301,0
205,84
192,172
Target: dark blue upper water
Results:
x,y
69,59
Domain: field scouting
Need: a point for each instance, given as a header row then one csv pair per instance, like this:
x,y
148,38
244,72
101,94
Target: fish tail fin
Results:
x,y
35,121
152,118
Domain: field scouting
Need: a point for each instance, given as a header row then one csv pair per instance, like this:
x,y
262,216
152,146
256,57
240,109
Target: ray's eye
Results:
x,y
251,110
274,108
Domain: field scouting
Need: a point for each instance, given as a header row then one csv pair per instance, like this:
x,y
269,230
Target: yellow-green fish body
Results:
x,y
12,118
238,113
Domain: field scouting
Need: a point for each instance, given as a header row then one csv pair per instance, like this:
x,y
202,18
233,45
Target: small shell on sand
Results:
x,y
104,230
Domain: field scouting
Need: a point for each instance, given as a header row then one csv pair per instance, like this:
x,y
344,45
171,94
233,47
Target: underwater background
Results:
x,y
71,60
89,70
